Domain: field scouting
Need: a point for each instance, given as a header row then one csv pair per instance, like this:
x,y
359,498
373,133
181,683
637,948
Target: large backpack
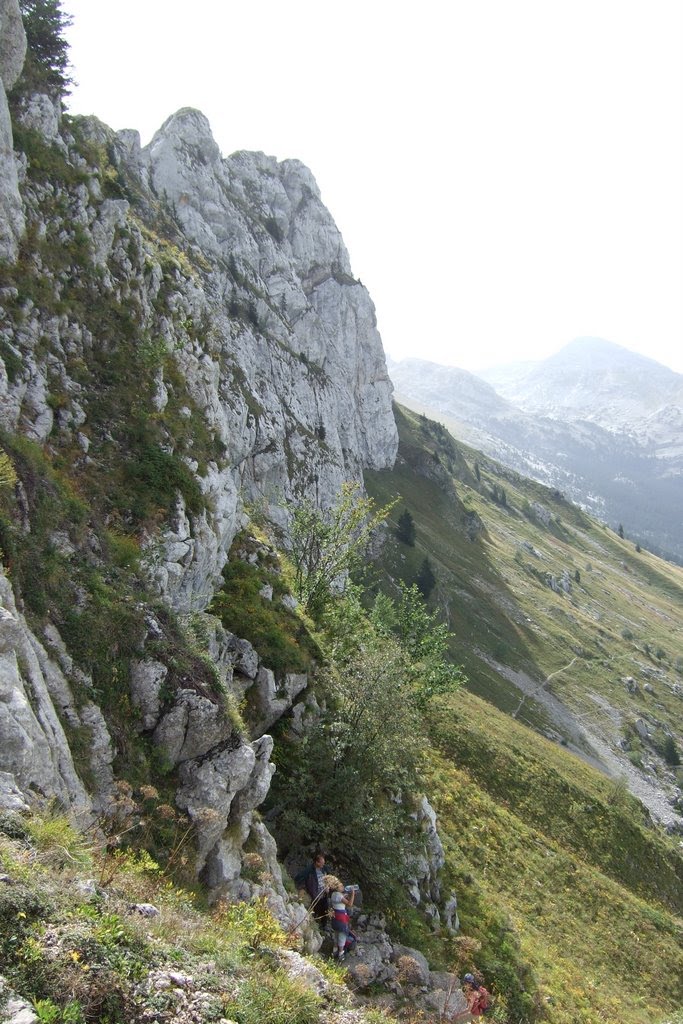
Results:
x,y
482,1004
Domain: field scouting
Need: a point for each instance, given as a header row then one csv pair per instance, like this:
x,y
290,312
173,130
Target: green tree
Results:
x,y
405,528
424,640
620,531
340,785
46,67
670,752
425,579
498,495
328,544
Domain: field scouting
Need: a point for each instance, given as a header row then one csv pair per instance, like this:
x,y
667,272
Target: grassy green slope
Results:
x,y
595,950
558,870
622,617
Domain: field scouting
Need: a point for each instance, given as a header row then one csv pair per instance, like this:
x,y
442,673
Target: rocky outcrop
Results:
x,y
12,43
317,393
35,758
376,960
12,53
15,1010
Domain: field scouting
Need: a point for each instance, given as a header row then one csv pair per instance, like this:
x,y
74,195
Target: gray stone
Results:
x,y
220,795
207,789
145,909
244,657
642,729
101,753
111,216
12,43
413,966
87,886
194,726
146,679
18,1011
450,913
43,114
11,797
274,697
12,53
297,967
33,747
424,886
445,997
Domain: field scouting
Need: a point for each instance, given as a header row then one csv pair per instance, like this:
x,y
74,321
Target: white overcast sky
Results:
x,y
507,174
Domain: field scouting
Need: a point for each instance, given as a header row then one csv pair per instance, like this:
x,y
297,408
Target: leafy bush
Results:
x,y
328,544
338,786
425,579
669,751
274,999
249,924
56,837
424,640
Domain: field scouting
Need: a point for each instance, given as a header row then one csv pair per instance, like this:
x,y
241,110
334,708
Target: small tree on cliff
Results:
x,y
424,641
46,68
328,544
342,779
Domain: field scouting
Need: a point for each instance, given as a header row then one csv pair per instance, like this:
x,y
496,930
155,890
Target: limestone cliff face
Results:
x,y
12,52
35,750
275,341
180,335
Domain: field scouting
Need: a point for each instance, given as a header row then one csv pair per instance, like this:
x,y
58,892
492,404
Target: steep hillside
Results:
x,y
557,619
565,626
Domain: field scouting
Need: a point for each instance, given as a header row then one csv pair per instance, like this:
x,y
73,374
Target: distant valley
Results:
x,y
600,423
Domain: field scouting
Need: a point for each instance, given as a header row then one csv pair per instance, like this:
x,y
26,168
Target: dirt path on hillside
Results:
x,y
535,693
590,743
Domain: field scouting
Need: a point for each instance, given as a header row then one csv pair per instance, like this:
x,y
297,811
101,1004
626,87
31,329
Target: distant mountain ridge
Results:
x,y
598,381
601,423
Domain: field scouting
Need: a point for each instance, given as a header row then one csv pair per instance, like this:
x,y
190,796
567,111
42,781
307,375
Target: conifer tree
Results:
x,y
46,67
425,579
405,528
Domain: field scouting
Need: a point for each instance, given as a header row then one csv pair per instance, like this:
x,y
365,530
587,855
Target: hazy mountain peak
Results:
x,y
591,379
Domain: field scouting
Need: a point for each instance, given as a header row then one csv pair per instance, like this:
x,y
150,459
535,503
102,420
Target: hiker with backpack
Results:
x,y
341,901
312,880
477,996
